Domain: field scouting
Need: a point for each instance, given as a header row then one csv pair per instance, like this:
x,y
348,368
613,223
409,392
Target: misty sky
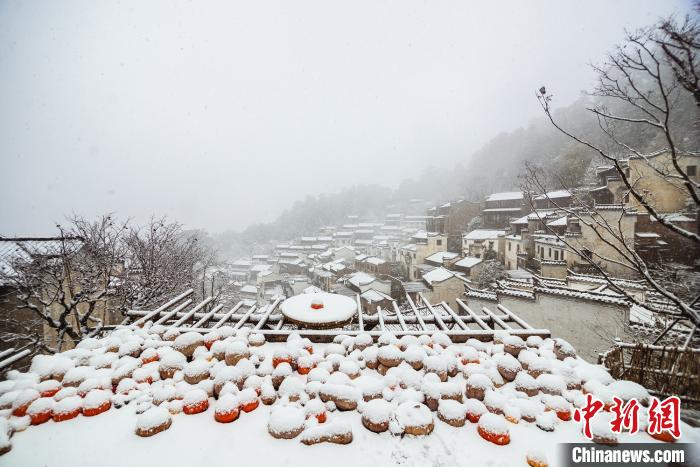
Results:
x,y
220,114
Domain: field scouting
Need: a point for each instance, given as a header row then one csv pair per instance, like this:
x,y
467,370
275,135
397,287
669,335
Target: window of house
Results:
x,y
586,253
517,248
549,253
692,170
508,246
556,255
439,242
491,245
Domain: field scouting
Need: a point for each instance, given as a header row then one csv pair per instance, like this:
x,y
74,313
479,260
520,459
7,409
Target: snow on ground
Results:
x,y
108,439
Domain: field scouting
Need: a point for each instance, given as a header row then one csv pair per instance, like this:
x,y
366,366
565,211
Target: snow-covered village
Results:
x,y
368,233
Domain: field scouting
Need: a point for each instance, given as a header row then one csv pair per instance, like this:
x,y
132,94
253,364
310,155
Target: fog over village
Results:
x,y
349,224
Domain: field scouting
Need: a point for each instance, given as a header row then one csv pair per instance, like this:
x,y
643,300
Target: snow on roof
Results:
x,y
243,263
260,267
440,256
249,289
505,196
374,260
554,194
409,247
675,217
483,234
437,275
561,222
646,234
501,210
361,278
373,296
468,262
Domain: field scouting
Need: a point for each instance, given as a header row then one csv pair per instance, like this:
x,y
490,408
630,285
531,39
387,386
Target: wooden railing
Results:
x,y
664,371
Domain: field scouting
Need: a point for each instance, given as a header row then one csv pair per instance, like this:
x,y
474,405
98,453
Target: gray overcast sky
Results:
x,y
220,114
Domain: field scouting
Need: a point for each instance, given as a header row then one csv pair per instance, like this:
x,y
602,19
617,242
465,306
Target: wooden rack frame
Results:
x,y
416,319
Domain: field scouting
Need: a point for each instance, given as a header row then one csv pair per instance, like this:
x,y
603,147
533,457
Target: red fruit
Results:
x,y
92,411
197,407
277,360
473,417
500,439
564,416
41,417
664,436
250,406
150,360
303,370
321,417
50,392
61,417
227,416
21,411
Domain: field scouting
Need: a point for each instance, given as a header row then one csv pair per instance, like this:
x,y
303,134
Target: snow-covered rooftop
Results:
x,y
468,262
483,234
505,196
554,195
437,275
440,256
374,296
561,222
359,279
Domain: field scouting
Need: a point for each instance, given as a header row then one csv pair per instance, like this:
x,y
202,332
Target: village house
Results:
x,y
550,254
655,242
425,244
442,258
553,200
414,222
346,253
478,242
500,208
513,248
248,292
469,266
603,251
451,219
372,265
361,282
372,299
666,194
443,285
342,238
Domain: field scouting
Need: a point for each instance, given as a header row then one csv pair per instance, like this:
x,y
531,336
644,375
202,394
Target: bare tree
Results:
x,y
64,283
69,287
639,91
160,261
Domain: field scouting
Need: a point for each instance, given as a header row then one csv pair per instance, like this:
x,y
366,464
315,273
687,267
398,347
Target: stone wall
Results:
x,y
590,326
